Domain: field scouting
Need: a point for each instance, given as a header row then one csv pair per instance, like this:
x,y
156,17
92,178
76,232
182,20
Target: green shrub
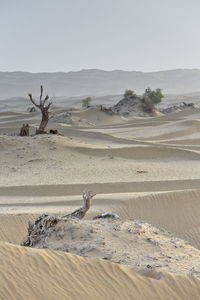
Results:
x,y
129,93
154,95
151,98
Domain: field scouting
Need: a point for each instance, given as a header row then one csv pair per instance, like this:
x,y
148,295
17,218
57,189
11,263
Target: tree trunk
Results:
x,y
44,121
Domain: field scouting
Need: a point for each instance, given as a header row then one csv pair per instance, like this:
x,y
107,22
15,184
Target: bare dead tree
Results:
x,y
44,110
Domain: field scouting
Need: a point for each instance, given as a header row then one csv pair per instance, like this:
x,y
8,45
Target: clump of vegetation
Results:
x,y
135,104
86,102
150,98
129,94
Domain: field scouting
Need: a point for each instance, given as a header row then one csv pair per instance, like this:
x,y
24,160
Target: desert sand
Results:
x,y
43,274
147,170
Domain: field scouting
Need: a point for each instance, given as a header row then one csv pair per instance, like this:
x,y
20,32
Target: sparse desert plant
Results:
x,y
86,102
44,110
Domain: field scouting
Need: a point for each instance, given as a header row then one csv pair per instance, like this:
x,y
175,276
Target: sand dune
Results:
x,y
177,212
60,160
42,274
143,169
97,117
129,242
144,153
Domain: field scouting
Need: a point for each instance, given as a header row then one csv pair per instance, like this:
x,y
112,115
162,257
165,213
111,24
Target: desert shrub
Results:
x,y
154,95
148,105
129,93
86,102
151,98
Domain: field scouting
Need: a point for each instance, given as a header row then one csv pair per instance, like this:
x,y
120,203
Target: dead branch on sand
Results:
x,y
44,223
24,131
55,131
80,212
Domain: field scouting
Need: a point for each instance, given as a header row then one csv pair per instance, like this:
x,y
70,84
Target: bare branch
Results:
x,y
48,106
41,93
45,99
31,98
80,212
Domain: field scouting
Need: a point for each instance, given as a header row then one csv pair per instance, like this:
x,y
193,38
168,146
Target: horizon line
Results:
x,y
103,70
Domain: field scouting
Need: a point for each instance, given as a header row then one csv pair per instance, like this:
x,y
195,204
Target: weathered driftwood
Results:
x,y
41,226
24,131
80,212
107,215
55,131
44,224
44,110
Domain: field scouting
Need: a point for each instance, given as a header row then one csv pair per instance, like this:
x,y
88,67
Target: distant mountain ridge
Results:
x,y
96,82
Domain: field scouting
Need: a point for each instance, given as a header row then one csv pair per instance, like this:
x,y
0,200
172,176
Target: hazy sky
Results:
x,y
64,35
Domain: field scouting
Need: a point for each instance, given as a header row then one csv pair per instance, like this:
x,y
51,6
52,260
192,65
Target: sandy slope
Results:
x,y
42,274
58,160
14,227
177,212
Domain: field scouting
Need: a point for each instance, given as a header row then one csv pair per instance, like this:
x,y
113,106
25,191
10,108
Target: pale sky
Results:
x,y
65,35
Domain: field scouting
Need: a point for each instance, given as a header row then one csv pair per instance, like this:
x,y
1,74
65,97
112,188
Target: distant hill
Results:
x,y
95,82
